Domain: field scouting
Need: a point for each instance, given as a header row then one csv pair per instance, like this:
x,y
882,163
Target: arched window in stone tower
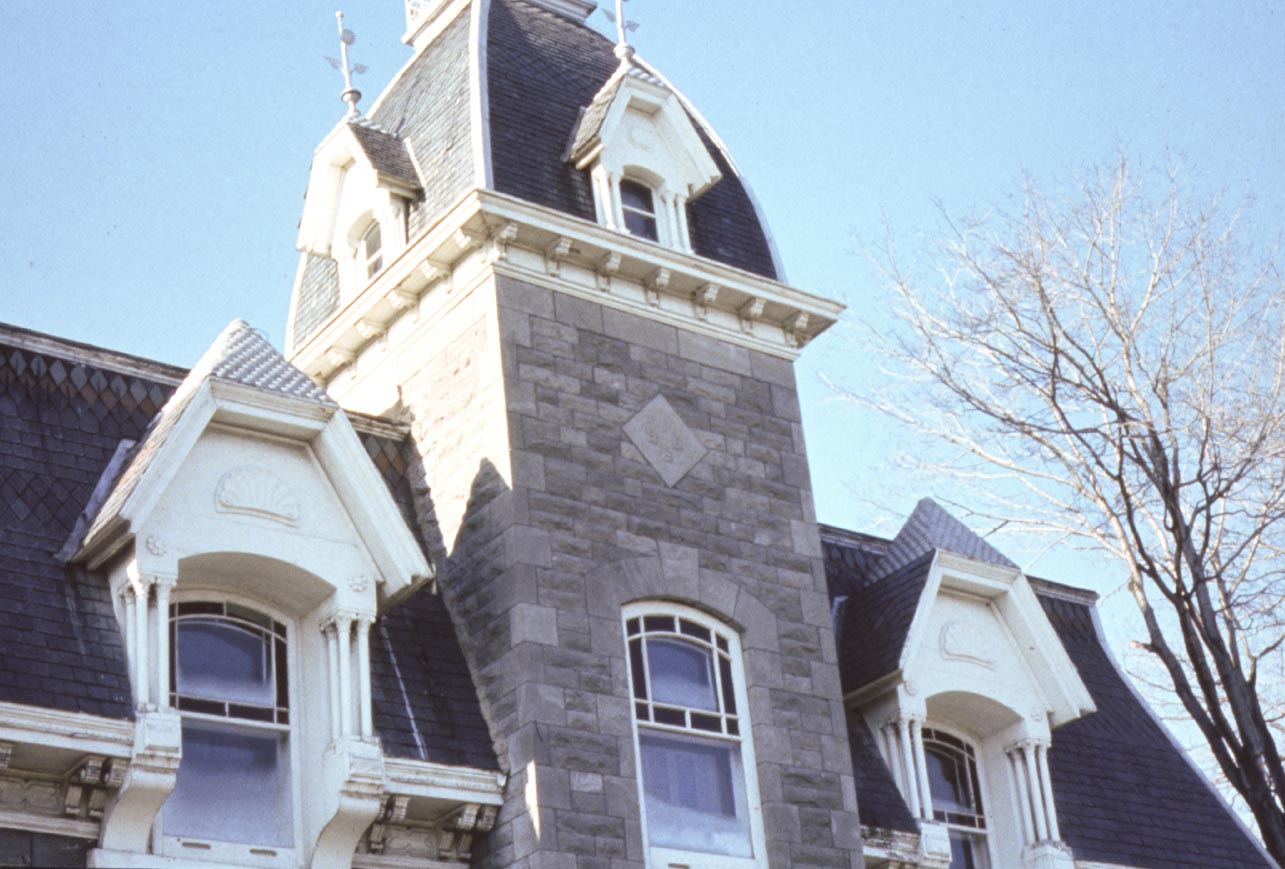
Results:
x,y
698,787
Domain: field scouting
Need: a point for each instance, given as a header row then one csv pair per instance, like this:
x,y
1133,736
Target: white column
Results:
x,y
163,587
343,625
1042,755
921,764
665,226
1032,777
912,781
893,752
328,630
684,233
617,207
131,631
363,677
1016,779
141,642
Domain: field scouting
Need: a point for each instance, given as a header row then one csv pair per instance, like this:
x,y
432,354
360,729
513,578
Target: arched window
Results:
x,y
957,797
691,735
229,680
638,203
370,252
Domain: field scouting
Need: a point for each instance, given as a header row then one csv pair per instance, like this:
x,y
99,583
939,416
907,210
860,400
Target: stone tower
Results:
x,y
534,251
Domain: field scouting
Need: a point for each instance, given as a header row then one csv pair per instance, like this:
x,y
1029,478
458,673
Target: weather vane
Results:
x,y
624,27
350,94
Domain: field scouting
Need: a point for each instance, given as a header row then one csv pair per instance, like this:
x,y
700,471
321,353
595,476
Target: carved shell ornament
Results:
x,y
256,491
962,642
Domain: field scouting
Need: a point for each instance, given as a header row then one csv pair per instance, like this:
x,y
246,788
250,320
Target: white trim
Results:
x,y
660,856
421,778
87,354
78,731
480,105
30,822
487,229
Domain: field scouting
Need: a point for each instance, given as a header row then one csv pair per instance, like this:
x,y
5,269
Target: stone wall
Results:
x,y
574,521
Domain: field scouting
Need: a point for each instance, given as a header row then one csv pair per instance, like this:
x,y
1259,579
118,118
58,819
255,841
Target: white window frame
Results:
x,y
973,752
669,208
241,853
660,857
369,264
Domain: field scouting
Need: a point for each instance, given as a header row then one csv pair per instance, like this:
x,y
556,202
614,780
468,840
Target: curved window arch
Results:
x,y
229,680
956,793
697,782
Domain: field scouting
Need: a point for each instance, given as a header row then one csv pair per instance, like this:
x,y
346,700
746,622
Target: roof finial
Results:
x,y
624,50
350,94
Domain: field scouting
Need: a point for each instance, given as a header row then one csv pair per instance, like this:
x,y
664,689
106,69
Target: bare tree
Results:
x,y
1119,359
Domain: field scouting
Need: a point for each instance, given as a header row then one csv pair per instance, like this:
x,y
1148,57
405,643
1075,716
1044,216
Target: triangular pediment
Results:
x,y
250,456
636,124
960,621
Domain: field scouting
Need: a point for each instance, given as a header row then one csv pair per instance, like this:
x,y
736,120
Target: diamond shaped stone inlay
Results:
x,y
665,440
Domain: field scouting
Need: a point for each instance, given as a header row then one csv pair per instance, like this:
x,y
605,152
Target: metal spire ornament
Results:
x,y
350,94
624,27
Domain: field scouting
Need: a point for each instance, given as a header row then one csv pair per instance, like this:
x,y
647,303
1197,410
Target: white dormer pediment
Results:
x,y
979,640
235,473
358,170
637,126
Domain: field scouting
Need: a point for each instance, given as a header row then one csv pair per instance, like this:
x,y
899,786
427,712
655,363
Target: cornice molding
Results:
x,y
428,779
488,231
91,734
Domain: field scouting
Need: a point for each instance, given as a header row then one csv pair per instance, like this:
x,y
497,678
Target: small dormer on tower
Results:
x,y
644,155
361,183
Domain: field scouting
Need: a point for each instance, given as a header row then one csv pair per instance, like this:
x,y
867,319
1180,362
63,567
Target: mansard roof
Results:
x,y
536,73
1115,771
64,410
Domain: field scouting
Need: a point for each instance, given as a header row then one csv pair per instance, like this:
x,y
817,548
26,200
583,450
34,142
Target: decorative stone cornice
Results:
x,y
488,230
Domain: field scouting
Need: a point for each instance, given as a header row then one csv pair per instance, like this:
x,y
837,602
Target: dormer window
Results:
x,y
644,157
371,250
639,207
229,681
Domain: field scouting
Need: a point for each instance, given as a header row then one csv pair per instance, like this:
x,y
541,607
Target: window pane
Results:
x,y
641,225
220,660
967,851
695,795
948,781
233,786
636,196
681,674
372,240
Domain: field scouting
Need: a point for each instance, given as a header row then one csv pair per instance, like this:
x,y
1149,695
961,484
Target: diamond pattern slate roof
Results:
x,y
388,154
60,422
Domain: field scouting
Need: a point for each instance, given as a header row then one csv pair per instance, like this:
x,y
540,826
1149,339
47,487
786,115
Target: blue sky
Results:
x,y
155,155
